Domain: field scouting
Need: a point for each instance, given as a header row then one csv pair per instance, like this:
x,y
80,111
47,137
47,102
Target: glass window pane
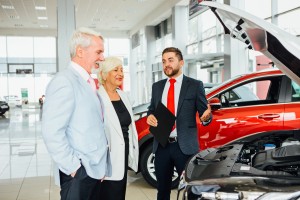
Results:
x,y
3,85
209,45
118,47
44,68
44,47
3,68
208,20
193,30
168,40
192,49
3,49
158,46
287,22
20,49
284,5
259,8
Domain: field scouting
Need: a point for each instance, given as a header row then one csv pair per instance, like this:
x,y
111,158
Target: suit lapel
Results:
x,y
110,114
160,91
183,90
88,90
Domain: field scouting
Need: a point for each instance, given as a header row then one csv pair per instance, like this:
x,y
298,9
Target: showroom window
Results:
x,y
259,8
20,49
284,5
286,21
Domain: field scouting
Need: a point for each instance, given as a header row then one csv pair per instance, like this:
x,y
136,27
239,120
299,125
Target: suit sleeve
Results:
x,y
201,102
57,112
151,107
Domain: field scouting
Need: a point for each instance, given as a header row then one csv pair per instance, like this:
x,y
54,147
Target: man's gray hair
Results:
x,y
82,37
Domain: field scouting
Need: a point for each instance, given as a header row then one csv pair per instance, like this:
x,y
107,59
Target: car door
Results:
x,y
249,107
292,107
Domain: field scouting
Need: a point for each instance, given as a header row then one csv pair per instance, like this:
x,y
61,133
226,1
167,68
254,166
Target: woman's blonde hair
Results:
x,y
106,66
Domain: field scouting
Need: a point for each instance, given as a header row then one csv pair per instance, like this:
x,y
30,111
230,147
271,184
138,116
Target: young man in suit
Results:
x,y
184,97
72,124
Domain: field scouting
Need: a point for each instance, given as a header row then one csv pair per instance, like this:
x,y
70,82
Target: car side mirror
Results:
x,y
215,103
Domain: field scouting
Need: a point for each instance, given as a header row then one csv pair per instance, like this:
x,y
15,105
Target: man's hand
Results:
x,y
151,120
206,115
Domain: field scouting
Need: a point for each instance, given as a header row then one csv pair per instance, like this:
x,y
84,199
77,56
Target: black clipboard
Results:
x,y
166,121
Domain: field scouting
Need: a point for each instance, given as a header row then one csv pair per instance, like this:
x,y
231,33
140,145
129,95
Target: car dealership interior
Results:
x,y
34,47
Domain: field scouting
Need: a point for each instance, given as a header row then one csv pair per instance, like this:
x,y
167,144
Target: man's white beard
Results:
x,y
95,71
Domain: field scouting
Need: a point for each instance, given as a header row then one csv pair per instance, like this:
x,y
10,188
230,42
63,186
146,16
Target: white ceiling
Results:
x,y
113,18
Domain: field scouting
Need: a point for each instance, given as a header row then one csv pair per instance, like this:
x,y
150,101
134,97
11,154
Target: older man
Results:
x,y
72,123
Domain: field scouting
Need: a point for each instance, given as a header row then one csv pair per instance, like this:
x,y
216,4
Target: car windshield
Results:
x,y
224,83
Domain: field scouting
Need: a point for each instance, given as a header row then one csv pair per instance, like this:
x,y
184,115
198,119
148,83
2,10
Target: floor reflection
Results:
x,y
26,168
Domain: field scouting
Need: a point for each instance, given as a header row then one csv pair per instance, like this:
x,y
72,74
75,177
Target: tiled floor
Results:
x,y
26,168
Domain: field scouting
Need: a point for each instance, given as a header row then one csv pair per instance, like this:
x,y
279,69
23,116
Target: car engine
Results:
x,y
272,154
258,165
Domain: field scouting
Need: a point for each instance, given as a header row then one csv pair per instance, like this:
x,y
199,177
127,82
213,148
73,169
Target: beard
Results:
x,y
171,72
95,69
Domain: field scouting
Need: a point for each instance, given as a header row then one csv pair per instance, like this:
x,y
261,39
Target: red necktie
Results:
x,y
171,98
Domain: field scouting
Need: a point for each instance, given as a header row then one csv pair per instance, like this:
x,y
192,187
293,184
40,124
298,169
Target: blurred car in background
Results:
x,y
4,107
13,100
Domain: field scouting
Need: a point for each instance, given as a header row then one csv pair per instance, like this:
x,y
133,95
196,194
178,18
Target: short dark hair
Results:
x,y
174,50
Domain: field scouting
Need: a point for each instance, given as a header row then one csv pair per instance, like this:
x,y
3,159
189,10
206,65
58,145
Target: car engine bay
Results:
x,y
260,166
272,154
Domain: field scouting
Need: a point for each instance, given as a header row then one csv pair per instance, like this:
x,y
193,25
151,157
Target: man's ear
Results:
x,y
181,63
79,51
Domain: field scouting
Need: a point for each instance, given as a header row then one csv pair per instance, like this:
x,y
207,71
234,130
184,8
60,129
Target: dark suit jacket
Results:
x,y
191,99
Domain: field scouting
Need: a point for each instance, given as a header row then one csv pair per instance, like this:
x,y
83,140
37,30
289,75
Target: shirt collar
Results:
x,y
84,74
178,78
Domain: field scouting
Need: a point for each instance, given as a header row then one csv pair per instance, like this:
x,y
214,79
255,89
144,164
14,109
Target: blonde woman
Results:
x,y
119,126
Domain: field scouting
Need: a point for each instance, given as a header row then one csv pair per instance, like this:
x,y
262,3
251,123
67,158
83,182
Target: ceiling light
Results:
x,y
40,8
42,18
7,7
14,17
44,26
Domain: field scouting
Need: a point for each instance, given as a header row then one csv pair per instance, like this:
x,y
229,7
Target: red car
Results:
x,y
244,105
259,156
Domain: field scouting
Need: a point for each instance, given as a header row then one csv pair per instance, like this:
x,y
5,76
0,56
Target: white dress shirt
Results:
x,y
164,98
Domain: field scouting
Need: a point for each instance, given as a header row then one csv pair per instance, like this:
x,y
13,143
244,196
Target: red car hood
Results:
x,y
278,45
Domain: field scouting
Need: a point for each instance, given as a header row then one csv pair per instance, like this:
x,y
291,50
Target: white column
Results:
x,y
180,19
65,28
236,53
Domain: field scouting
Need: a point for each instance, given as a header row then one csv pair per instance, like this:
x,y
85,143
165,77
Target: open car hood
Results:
x,y
278,45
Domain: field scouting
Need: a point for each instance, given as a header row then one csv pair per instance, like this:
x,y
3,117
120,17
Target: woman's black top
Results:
x,y
123,115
